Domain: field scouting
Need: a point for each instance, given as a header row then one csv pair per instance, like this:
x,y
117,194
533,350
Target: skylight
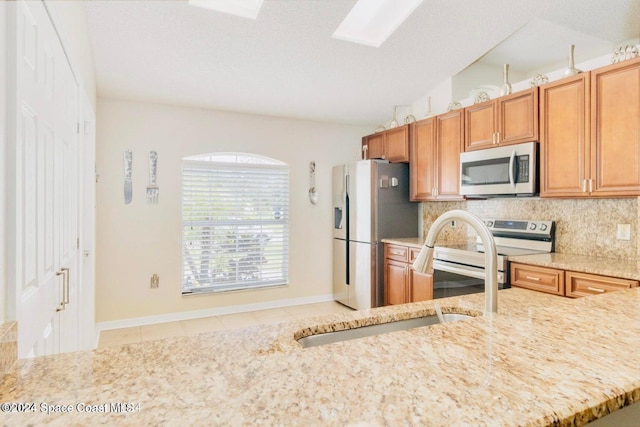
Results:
x,y
371,22
244,8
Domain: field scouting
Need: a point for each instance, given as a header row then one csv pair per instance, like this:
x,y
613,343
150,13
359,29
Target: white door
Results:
x,y
69,195
43,183
86,297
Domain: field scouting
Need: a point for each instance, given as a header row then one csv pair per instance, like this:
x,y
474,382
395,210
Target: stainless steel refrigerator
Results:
x,y
370,203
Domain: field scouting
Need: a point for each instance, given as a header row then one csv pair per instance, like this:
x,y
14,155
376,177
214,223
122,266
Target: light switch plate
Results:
x,y
623,232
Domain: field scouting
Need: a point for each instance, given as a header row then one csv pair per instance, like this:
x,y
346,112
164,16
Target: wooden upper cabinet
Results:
x,y
373,146
615,129
510,119
391,144
434,167
590,133
480,125
397,144
450,140
564,137
422,160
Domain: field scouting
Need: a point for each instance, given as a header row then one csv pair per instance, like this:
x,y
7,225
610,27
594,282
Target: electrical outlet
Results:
x,y
453,223
155,281
623,232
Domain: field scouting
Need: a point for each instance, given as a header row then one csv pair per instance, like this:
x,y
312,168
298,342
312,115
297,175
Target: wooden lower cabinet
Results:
x,y
567,283
396,282
541,279
583,284
401,283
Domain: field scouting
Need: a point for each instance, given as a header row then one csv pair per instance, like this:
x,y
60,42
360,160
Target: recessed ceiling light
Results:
x,y
371,22
244,8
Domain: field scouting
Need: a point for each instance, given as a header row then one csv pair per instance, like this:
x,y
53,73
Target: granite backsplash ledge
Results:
x,y
583,226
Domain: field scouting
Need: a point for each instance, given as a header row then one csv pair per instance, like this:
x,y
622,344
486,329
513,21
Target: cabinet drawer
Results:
x,y
395,252
584,284
537,278
413,254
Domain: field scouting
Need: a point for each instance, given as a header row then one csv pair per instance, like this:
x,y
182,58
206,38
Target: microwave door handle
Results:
x,y
512,162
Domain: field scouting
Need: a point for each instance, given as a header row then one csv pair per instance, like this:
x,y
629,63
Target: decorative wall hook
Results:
x,y
313,193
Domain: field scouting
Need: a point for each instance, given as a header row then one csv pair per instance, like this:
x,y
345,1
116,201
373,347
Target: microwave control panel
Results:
x,y
523,169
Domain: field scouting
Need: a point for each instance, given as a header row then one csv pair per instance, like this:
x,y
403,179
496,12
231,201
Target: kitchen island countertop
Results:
x,y
542,360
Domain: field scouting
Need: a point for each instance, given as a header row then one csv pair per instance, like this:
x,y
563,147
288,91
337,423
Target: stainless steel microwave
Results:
x,y
510,170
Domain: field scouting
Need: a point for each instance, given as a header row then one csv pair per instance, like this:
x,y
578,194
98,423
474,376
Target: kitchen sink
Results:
x,y
382,328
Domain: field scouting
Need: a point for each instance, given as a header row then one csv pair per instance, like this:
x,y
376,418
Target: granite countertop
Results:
x,y
542,360
414,242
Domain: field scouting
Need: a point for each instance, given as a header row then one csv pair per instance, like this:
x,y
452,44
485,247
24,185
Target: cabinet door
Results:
x,y
535,278
397,144
375,146
480,125
564,137
420,285
518,117
583,284
395,282
422,159
615,129
450,140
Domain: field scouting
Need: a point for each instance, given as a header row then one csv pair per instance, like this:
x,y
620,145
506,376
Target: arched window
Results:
x,y
235,222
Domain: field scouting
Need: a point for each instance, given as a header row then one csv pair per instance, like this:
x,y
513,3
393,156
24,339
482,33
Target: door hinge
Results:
x,y
77,243
78,128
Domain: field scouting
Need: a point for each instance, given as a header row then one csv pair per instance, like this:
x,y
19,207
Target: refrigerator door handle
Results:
x,y
338,218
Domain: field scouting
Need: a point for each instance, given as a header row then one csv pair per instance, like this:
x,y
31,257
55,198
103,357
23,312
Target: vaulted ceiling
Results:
x,y
285,63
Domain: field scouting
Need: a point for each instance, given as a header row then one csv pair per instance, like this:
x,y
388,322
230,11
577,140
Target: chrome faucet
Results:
x,y
424,262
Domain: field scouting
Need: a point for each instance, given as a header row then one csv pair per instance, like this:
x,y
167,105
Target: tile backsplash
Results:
x,y
583,226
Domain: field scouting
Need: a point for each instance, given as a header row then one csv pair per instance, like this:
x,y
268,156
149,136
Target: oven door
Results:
x,y
451,279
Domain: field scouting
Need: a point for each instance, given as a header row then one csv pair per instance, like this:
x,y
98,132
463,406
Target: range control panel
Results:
x,y
519,226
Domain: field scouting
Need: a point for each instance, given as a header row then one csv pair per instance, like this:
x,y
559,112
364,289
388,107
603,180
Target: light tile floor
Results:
x,y
191,327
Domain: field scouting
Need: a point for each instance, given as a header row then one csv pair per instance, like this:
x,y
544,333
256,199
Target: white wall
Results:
x,y
70,19
137,240
3,170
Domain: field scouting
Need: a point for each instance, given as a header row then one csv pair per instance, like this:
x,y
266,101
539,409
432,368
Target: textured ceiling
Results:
x,y
285,63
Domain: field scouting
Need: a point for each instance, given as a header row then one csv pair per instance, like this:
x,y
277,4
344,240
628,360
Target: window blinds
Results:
x,y
235,231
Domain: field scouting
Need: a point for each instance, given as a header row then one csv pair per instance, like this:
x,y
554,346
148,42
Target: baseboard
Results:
x,y
217,311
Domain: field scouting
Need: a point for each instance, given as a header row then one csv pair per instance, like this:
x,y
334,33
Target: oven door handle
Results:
x,y
477,273
512,162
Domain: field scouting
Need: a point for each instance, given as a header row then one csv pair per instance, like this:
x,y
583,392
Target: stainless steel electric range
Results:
x,y
459,268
